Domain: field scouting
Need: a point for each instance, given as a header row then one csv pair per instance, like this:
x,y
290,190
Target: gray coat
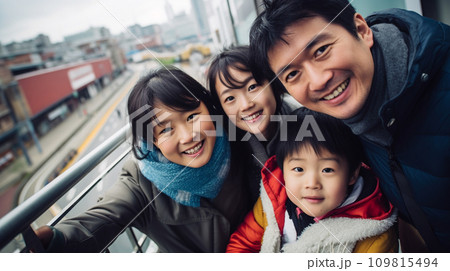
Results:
x,y
174,227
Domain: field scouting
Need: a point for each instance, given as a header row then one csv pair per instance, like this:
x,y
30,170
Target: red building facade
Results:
x,y
43,88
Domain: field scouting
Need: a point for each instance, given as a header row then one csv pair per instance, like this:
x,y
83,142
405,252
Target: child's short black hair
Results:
x,y
337,138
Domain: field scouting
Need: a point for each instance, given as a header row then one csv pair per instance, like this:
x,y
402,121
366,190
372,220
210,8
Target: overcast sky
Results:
x,y
25,19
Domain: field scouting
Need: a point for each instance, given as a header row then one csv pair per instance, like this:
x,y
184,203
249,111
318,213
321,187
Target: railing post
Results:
x,y
132,237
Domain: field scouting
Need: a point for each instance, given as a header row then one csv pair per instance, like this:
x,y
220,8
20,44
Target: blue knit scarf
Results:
x,y
187,185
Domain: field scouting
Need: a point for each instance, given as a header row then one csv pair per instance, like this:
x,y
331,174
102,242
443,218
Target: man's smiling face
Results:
x,y
324,67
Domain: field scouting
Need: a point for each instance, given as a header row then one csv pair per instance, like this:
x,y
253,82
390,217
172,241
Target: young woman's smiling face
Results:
x,y
249,107
185,138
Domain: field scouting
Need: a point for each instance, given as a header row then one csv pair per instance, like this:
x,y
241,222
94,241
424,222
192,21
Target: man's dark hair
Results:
x,y
338,139
269,27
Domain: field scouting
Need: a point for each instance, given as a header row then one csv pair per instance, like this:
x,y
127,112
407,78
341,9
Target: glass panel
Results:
x,y
243,12
368,7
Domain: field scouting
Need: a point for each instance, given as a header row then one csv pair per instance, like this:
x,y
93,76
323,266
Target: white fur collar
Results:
x,y
272,236
338,234
328,235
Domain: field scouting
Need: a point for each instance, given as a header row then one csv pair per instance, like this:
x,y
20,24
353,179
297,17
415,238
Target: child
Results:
x,y
317,197
249,105
184,189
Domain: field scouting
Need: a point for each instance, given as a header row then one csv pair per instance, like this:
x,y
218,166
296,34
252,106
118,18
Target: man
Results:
x,y
388,78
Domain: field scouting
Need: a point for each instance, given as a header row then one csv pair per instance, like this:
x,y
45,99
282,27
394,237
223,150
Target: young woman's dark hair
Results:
x,y
164,86
269,27
236,58
338,139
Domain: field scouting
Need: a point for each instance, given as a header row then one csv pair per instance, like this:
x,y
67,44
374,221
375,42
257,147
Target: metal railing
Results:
x,y
18,220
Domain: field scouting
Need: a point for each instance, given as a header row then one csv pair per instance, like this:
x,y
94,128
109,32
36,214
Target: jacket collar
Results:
x,y
274,186
428,41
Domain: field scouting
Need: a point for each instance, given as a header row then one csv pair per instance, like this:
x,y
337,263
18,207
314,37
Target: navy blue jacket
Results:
x,y
419,121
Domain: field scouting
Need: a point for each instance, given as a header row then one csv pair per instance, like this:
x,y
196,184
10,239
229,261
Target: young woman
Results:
x,y
250,105
184,188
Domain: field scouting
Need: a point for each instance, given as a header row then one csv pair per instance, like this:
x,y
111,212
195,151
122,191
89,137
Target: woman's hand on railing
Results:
x,y
45,235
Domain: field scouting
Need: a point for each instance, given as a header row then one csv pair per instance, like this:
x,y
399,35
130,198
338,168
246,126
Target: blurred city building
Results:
x,y
48,95
182,29
97,42
15,127
200,16
22,57
90,35
183,34
41,83
32,103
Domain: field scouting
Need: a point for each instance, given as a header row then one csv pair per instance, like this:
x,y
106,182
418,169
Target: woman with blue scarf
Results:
x,y
184,188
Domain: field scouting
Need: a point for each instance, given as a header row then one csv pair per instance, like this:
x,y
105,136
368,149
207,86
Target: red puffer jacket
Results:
x,y
263,227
